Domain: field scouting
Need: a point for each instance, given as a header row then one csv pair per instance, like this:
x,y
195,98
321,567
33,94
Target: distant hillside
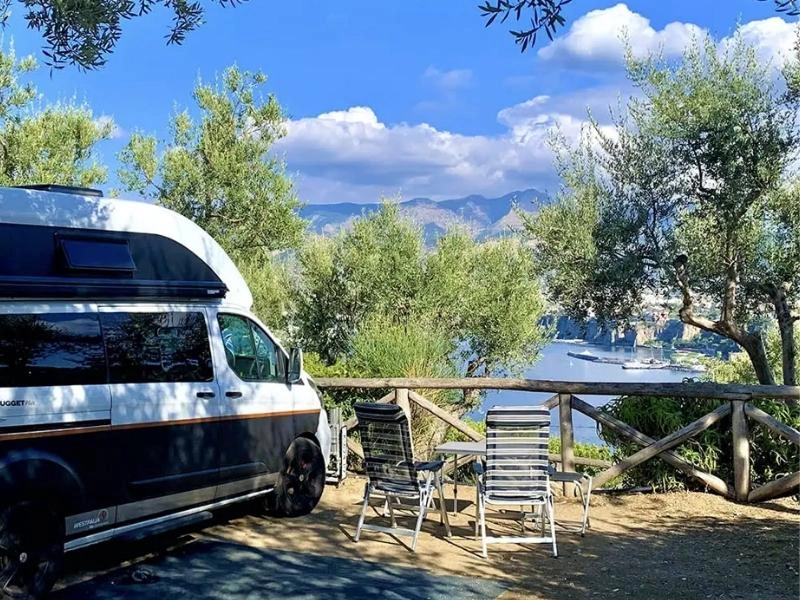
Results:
x,y
485,217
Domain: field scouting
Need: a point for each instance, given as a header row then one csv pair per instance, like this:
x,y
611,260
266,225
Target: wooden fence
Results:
x,y
735,402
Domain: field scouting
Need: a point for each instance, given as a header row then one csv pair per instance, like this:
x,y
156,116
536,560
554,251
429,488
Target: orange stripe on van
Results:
x,y
27,435
79,430
247,417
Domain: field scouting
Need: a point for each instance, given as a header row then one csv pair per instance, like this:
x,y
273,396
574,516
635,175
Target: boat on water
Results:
x,y
651,363
647,364
657,364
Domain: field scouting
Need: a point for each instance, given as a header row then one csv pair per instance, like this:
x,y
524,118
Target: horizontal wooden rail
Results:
x,y
719,391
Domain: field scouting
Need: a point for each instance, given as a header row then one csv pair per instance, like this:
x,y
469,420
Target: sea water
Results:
x,y
554,364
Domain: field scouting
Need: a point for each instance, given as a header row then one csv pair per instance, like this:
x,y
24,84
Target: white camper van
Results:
x,y
137,390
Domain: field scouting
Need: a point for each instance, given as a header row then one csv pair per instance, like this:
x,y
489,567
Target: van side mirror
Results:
x,y
295,366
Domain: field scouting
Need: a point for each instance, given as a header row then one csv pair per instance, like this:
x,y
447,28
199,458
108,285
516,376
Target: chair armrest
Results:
x,y
432,465
567,476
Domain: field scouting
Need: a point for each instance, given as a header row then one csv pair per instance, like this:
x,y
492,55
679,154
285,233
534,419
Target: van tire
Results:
x,y
300,483
31,550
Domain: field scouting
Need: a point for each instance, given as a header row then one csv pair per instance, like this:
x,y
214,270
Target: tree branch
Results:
x,y
700,185
686,311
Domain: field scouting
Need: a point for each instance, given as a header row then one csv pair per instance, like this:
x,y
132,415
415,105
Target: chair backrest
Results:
x,y
517,453
388,453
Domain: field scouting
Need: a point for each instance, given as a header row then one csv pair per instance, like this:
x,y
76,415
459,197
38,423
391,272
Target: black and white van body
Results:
x,y
136,387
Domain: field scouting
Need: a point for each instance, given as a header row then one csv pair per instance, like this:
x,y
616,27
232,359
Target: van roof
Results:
x,y
60,210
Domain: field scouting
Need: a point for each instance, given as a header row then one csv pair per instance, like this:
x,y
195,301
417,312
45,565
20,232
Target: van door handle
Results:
x,y
233,394
205,394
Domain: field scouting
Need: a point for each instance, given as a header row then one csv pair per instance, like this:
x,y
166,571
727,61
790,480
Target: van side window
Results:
x,y
250,352
51,349
157,347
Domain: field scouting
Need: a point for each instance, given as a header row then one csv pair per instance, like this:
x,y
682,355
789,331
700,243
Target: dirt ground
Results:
x,y
681,545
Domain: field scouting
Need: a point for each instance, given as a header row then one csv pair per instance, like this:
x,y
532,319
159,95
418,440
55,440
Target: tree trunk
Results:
x,y
753,344
786,328
471,397
789,352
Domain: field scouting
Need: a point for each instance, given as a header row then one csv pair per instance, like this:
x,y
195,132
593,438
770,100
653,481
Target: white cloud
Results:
x,y
771,38
448,80
351,155
598,99
595,40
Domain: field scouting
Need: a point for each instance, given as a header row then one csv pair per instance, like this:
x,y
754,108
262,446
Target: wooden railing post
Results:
x,y
567,436
741,451
401,399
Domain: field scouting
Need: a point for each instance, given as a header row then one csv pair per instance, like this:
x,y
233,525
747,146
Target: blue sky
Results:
x,y
412,98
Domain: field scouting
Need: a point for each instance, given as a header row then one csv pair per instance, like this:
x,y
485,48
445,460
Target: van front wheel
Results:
x,y
31,550
300,482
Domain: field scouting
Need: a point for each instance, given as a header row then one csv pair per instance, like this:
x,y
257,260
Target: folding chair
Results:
x,y
392,471
516,472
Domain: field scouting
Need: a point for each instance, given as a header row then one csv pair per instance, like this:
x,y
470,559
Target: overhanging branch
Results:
x,y
686,311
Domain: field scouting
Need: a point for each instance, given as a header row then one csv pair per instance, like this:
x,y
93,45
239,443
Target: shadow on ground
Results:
x,y
657,546
209,569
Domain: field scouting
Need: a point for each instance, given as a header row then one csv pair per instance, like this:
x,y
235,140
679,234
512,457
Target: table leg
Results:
x,y
455,484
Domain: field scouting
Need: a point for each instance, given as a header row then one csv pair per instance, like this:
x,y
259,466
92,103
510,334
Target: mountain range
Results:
x,y
484,217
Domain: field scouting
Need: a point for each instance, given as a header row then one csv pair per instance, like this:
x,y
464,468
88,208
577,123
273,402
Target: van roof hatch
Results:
x,y
62,189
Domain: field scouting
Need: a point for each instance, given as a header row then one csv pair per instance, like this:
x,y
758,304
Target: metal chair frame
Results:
x,y
392,471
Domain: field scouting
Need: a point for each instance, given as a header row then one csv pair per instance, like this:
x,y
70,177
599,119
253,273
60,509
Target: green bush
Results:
x,y
584,450
342,398
382,348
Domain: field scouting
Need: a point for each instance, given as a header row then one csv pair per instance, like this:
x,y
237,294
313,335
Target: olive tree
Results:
x,y
45,143
482,297
692,193
217,169
488,297
375,268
